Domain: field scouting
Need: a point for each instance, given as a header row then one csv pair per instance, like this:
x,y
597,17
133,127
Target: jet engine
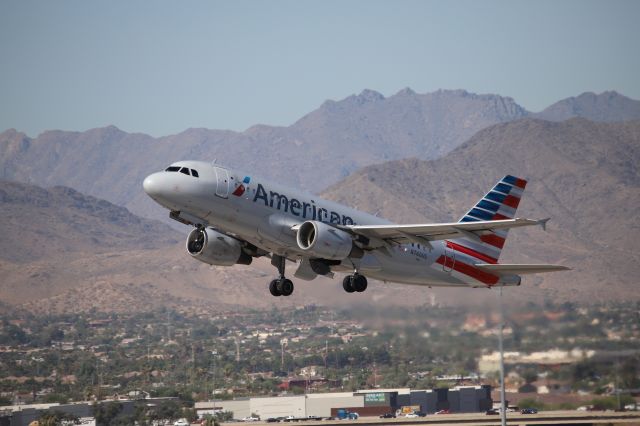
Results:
x,y
326,242
212,247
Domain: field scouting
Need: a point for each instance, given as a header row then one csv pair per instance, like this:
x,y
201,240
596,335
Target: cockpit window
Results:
x,y
185,171
194,173
172,169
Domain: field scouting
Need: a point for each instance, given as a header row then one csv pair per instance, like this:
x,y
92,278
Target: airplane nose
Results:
x,y
151,185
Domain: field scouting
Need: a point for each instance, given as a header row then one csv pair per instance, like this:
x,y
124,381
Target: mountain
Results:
x,y
607,106
43,223
337,138
584,175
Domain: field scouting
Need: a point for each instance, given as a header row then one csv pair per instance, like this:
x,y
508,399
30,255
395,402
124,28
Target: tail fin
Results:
x,y
499,203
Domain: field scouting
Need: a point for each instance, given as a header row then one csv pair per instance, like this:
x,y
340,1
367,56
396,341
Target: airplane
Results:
x,y
237,217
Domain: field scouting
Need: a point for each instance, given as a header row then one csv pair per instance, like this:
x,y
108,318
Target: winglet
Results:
x,y
543,223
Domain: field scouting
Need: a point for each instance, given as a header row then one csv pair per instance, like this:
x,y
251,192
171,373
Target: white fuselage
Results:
x,y
264,213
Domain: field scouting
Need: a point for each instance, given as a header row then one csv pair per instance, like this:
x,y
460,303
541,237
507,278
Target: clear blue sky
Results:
x,y
160,67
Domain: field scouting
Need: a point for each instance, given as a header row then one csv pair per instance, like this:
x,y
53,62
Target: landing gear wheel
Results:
x,y
347,284
286,287
273,288
359,283
280,286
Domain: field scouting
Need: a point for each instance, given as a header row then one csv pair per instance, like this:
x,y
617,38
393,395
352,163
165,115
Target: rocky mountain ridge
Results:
x,y
337,138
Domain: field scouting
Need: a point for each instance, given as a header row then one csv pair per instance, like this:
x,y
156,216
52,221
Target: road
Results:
x,y
481,419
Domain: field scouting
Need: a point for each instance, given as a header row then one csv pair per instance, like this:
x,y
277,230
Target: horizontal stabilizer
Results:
x,y
520,269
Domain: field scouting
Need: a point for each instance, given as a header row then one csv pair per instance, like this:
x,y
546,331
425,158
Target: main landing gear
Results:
x,y
355,282
280,286
283,286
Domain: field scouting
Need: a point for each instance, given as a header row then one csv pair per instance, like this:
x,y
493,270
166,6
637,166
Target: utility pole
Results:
x,y
213,378
148,375
503,407
375,373
618,382
283,343
325,354
168,326
193,363
98,378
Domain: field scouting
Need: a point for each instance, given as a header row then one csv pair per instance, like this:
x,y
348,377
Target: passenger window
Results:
x,y
194,173
185,171
172,169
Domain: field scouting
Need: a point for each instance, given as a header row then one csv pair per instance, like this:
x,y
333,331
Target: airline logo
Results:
x,y
500,203
241,188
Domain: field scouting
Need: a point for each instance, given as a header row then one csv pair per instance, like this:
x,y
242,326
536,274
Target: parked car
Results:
x,y
493,411
411,415
388,416
421,414
251,419
443,412
529,411
343,414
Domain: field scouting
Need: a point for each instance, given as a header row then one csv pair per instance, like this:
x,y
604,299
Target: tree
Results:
x,y
190,414
529,375
54,418
531,403
630,374
209,420
106,413
12,335
169,410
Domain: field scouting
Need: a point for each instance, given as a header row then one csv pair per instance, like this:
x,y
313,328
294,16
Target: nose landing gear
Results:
x,y
280,286
355,282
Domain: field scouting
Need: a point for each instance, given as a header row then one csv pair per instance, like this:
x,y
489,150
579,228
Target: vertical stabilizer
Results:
x,y
499,203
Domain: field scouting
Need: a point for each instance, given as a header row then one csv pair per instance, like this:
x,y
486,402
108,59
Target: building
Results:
x,y
370,402
23,415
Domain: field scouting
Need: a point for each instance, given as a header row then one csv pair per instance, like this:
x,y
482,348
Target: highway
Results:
x,y
481,419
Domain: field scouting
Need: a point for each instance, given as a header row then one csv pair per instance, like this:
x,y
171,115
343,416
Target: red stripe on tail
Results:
x,y
471,252
521,183
475,273
511,201
493,240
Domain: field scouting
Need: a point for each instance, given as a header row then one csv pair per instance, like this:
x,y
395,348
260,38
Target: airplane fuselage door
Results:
x,y
449,258
222,176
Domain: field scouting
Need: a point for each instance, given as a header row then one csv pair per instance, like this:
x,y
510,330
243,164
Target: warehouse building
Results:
x,y
371,402
321,404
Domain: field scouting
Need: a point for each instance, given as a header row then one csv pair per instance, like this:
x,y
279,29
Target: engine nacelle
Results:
x,y
324,241
214,248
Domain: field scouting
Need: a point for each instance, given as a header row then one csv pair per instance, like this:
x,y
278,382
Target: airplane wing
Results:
x,y
381,235
519,269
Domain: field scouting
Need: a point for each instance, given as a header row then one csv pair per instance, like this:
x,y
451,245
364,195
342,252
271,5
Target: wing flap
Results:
x,y
436,231
520,269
